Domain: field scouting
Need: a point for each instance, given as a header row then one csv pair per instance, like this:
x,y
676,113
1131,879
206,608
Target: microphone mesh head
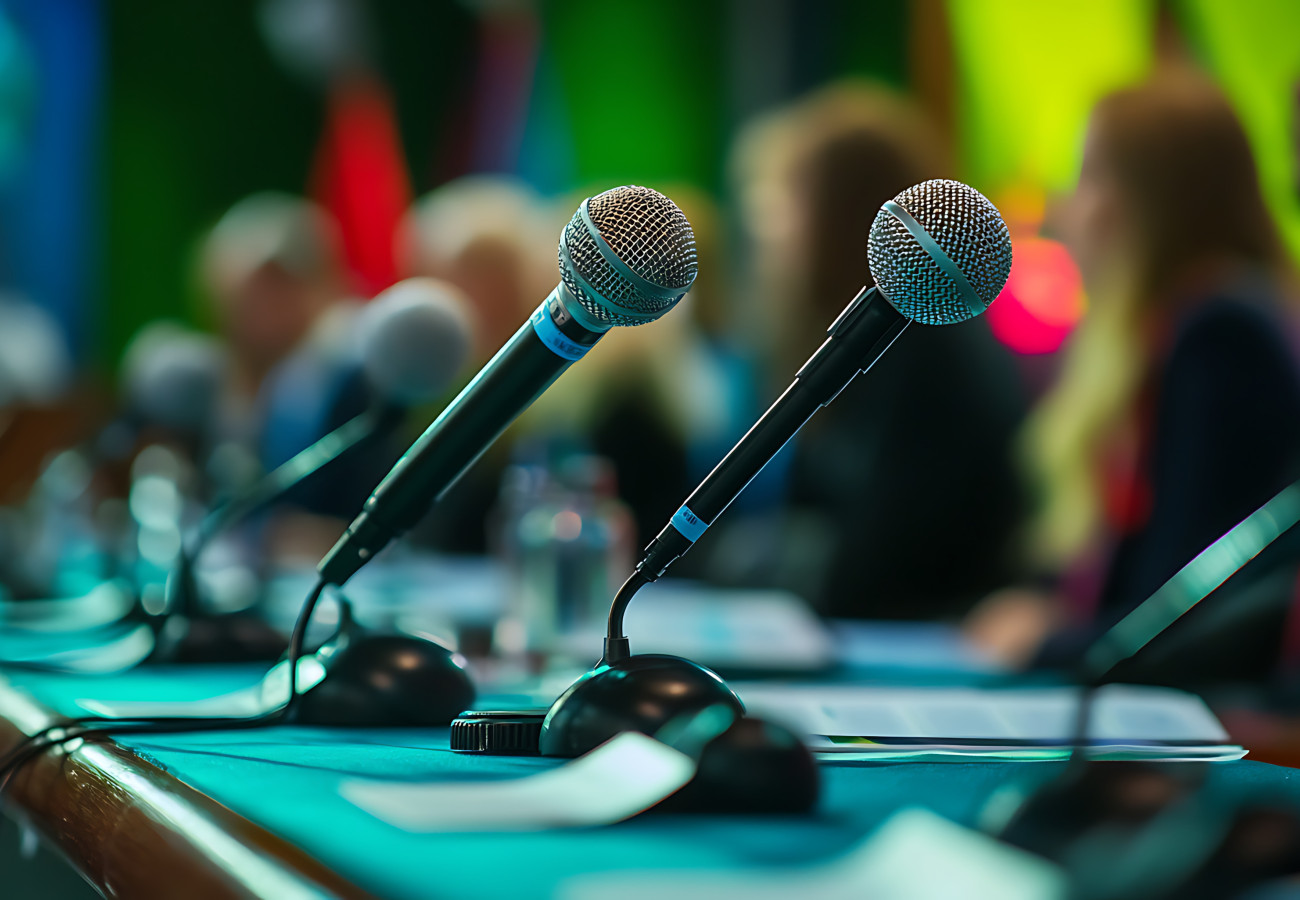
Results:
x,y
967,229
648,234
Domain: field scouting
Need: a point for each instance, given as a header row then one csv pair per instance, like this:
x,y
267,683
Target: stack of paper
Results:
x,y
1127,722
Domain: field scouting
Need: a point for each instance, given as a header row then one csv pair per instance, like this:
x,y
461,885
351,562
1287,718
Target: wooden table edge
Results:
x,y
133,830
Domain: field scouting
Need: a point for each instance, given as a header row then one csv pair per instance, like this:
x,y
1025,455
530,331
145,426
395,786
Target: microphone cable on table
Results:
x,y
48,737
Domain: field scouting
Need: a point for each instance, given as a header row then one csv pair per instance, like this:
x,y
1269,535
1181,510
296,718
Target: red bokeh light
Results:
x,y
1043,299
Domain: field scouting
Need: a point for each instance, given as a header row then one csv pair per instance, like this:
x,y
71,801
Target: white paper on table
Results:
x,y
915,855
622,777
941,753
269,693
1155,722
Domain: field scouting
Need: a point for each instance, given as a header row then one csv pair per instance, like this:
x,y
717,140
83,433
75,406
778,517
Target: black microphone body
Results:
x,y
520,372
857,338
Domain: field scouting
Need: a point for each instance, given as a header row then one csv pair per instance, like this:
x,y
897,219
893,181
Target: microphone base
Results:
x,y
754,767
639,693
386,681
230,638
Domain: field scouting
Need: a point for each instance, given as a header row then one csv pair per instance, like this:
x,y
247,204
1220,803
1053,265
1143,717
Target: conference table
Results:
x,y
260,813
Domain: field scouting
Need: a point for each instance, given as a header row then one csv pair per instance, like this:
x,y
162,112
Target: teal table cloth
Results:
x,y
286,779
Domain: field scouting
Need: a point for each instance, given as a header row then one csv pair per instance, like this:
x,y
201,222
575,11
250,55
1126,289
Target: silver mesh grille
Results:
x,y
649,234
966,226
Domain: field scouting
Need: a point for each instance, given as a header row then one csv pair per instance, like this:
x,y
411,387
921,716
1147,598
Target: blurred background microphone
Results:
x,y
405,349
170,384
415,338
400,351
172,378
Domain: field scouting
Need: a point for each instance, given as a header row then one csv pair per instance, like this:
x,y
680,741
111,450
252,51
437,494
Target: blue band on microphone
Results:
x,y
941,259
549,333
688,524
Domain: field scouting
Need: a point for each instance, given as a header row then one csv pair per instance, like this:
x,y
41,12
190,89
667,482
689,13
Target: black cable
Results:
x,y
296,639
46,738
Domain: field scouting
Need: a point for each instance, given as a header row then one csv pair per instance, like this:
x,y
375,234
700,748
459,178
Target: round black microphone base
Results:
x,y
639,693
187,632
384,681
237,637
754,767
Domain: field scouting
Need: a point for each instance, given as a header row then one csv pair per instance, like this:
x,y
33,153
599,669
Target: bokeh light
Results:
x,y
1042,301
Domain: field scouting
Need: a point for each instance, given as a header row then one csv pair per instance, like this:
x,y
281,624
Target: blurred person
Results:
x,y
1177,412
901,495
40,409
271,269
491,237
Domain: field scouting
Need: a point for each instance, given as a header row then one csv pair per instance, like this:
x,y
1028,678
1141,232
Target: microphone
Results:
x,y
415,337
1061,818
940,254
171,378
412,339
626,257
171,381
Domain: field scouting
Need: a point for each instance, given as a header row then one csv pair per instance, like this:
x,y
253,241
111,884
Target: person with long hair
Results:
x,y
901,498
1177,411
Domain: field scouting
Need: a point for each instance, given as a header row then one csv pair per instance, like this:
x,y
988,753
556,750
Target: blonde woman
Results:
x,y
1178,409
